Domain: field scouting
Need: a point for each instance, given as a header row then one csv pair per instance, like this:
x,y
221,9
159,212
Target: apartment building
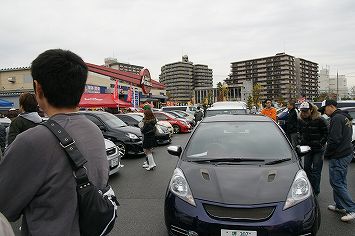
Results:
x,y
182,78
281,76
115,64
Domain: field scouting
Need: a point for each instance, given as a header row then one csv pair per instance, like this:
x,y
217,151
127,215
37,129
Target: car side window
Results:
x,y
160,116
95,120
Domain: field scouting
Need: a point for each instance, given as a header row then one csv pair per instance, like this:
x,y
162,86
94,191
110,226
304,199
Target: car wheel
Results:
x,y
121,149
176,129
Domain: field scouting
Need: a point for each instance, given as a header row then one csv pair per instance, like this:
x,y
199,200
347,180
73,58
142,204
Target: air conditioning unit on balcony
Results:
x,y
11,79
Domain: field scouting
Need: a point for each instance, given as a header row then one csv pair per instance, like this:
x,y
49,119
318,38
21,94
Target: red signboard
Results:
x,y
146,81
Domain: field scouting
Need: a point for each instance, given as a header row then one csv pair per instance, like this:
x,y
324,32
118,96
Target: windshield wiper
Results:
x,y
277,161
226,160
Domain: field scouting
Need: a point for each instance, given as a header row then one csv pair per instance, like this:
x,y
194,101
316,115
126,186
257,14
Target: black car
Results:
x,y
127,138
162,135
239,175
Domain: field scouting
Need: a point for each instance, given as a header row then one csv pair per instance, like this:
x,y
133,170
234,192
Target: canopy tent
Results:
x,y
102,100
4,103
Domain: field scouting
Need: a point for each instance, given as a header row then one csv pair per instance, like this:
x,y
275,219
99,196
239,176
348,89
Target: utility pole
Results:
x,y
337,88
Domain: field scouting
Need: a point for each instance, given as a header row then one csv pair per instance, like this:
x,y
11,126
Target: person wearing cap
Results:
x,y
340,152
291,124
314,133
269,110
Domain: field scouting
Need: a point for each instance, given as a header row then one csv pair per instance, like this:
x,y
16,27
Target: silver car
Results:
x,y
113,158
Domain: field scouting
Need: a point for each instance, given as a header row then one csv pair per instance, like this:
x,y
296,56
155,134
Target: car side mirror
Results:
x,y
302,150
175,150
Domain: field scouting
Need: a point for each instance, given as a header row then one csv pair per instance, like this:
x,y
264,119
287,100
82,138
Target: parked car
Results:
x,y
113,157
185,118
139,117
180,108
128,139
187,115
162,135
227,182
179,125
225,108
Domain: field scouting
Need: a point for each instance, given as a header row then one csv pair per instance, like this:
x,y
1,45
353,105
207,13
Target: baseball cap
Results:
x,y
304,106
325,103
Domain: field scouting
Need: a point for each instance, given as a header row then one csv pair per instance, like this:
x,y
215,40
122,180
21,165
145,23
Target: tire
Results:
x,y
121,149
176,129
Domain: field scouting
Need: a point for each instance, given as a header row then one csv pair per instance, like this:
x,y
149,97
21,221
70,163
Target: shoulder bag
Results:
x,y
97,207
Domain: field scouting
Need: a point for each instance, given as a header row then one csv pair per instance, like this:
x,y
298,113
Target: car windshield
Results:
x,y
112,121
137,117
249,140
225,112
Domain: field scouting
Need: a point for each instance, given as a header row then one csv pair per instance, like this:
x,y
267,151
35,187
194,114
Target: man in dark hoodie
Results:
x,y
291,125
340,152
28,118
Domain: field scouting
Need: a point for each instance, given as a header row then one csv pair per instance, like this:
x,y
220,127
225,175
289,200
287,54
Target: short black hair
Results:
x,y
292,103
28,102
62,75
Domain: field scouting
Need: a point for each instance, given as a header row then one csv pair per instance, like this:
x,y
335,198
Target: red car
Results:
x,y
179,125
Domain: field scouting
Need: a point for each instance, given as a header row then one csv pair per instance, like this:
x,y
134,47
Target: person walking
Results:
x,y
28,118
269,110
340,152
36,177
291,124
313,133
149,141
198,114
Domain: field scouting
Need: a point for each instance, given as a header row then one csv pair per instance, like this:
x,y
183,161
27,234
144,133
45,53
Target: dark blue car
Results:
x,y
238,175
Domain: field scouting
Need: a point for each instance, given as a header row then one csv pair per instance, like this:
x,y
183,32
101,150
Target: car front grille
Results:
x,y
259,213
111,151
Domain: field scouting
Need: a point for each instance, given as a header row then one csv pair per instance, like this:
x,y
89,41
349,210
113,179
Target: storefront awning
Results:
x,y
102,100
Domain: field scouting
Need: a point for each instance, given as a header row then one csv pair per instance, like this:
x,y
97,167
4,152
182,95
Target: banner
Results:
x,y
115,91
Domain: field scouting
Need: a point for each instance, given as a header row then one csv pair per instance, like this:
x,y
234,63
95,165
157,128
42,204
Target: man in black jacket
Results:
x,y
314,133
291,124
340,152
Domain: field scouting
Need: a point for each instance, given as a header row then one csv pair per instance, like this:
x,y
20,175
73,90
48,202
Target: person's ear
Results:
x,y
38,89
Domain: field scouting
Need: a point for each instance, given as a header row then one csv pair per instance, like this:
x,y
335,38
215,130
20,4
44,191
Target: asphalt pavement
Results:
x,y
141,195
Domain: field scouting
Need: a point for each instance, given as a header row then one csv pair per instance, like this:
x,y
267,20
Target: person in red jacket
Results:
x,y
269,110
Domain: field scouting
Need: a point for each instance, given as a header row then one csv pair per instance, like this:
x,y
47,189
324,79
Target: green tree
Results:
x,y
250,102
225,90
257,88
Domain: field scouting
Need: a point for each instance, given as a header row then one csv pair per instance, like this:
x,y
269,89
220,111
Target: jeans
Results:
x,y
313,164
338,169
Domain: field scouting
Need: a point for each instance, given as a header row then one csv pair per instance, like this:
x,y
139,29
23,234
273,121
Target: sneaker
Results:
x,y
336,209
145,165
348,217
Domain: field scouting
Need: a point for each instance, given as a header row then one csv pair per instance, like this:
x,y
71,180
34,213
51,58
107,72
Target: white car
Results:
x,y
113,158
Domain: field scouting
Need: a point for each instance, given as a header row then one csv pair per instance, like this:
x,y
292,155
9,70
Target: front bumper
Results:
x,y
182,218
134,148
163,138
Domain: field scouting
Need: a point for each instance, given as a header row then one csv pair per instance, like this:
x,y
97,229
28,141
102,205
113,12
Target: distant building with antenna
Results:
x,y
336,84
113,63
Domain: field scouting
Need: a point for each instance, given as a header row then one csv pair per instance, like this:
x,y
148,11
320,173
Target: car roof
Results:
x,y
347,108
229,118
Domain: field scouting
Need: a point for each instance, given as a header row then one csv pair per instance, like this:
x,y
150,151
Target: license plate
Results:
x,y
114,162
227,232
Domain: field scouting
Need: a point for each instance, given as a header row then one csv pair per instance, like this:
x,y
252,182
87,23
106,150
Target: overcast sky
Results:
x,y
155,33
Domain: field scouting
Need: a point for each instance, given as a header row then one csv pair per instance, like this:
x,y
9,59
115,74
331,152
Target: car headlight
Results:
x,y
300,190
159,129
179,186
132,136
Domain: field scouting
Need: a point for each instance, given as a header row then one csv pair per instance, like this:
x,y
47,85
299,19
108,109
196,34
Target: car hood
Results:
x,y
131,129
240,184
109,144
